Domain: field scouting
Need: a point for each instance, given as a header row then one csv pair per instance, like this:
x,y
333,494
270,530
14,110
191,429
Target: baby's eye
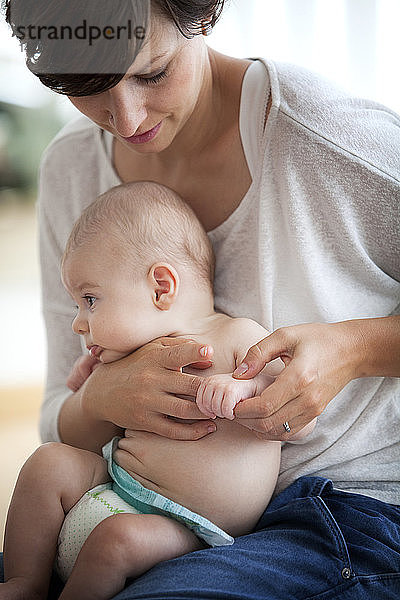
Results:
x,y
90,300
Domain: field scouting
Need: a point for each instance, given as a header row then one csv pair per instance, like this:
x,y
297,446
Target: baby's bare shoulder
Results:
x,y
246,330
242,333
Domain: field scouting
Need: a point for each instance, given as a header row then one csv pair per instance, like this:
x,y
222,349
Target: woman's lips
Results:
x,y
142,138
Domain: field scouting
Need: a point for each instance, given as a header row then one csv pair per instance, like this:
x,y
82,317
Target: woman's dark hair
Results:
x,y
84,47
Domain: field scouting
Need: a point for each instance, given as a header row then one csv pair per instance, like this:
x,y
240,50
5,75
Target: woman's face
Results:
x,y
156,97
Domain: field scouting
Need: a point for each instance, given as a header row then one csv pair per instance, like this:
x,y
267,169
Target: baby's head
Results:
x,y
137,261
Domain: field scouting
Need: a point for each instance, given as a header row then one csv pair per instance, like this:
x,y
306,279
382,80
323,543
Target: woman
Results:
x,y
298,186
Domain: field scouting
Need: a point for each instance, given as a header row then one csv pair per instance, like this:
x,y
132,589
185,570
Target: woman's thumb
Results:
x,y
260,354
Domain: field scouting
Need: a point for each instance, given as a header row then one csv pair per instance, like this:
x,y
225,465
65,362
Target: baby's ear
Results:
x,y
164,282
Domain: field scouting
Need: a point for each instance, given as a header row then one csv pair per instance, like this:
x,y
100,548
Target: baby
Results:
x,y
139,266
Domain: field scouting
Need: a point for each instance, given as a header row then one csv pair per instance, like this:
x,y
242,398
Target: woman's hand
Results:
x,y
139,392
320,359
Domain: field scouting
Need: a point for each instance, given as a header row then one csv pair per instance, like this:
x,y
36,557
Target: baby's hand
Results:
x,y
218,395
83,367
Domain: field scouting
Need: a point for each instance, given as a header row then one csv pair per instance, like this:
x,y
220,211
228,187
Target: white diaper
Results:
x,y
102,502
94,506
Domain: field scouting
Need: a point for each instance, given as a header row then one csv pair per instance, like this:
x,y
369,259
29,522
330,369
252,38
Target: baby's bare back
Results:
x,y
227,476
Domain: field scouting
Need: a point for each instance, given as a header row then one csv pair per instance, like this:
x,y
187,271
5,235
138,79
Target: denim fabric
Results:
x,y
312,542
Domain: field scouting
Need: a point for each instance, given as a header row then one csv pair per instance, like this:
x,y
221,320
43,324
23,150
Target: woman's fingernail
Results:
x,y
241,369
204,351
211,429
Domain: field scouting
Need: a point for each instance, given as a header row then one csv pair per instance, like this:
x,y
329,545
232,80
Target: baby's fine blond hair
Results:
x,y
149,222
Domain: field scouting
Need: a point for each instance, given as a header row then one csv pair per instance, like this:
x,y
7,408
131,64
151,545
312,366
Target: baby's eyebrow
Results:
x,y
87,285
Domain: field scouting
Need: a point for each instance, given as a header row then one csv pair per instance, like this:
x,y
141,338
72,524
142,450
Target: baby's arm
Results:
x,y
218,395
86,364
82,368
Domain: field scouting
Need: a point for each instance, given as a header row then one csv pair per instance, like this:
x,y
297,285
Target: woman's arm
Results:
x,y
79,429
320,359
379,346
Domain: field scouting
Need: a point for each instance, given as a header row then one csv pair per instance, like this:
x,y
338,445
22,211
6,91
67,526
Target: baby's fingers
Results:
x,y
204,400
228,404
216,401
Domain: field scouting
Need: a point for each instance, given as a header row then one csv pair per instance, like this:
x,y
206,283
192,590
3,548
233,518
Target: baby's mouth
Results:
x,y
95,351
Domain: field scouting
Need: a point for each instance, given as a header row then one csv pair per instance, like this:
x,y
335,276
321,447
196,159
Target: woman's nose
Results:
x,y
80,325
126,109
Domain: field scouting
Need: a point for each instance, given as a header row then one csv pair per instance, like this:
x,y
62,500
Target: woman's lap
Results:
x,y
312,541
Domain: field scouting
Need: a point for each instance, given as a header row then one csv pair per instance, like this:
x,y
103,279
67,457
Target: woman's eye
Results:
x,y
90,300
149,79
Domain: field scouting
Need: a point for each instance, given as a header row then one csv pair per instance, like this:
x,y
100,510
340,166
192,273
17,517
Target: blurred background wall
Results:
x,y
353,42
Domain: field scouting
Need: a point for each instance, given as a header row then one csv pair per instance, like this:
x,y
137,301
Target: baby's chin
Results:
x,y
109,356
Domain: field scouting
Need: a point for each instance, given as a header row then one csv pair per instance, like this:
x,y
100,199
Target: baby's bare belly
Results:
x,y
227,477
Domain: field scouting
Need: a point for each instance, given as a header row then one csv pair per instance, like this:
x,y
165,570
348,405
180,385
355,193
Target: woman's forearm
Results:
x,y
377,346
78,428
320,359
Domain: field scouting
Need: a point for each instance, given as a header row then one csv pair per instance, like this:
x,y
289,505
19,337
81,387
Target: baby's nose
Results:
x,y
80,325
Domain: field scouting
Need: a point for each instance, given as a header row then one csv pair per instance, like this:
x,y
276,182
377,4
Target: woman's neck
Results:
x,y
214,115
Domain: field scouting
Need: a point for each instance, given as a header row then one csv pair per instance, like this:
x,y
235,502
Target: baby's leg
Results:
x,y
50,483
122,546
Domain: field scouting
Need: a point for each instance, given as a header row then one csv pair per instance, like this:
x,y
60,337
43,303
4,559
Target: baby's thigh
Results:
x,y
104,525
133,543
65,471
95,506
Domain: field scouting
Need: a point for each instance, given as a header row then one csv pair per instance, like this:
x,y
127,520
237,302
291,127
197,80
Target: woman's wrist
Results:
x,y
89,397
373,346
79,426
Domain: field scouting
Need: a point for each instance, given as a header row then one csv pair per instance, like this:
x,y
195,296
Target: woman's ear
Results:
x,y
164,283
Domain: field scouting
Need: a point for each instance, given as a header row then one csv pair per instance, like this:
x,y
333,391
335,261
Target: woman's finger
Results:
x,y
286,387
175,356
175,382
279,344
180,408
172,341
206,364
282,425
169,428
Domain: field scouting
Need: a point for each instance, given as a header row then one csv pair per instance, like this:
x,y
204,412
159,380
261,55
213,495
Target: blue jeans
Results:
x,y
312,542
